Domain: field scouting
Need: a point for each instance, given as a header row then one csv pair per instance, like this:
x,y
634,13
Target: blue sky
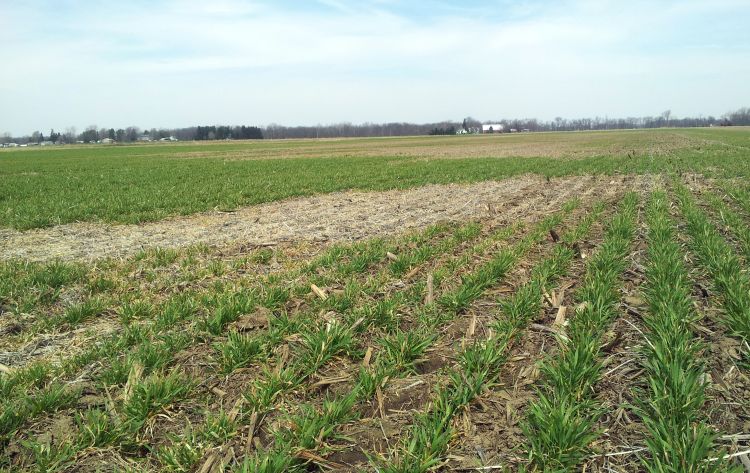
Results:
x,y
187,62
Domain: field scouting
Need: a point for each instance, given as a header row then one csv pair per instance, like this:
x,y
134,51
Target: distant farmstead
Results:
x,y
492,128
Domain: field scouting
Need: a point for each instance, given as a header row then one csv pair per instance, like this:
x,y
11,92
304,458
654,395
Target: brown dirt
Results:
x,y
338,216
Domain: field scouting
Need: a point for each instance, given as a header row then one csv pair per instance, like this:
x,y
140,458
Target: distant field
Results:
x,y
130,184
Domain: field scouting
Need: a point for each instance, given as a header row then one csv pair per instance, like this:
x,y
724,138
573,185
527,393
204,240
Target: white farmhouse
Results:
x,y
492,128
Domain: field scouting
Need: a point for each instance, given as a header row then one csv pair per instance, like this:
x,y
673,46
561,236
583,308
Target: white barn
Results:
x,y
492,128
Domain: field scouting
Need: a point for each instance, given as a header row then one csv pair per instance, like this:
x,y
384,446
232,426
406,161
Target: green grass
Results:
x,y
670,404
398,352
729,278
424,446
560,422
130,184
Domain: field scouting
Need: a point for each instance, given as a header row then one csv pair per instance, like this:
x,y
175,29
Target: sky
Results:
x,y
182,63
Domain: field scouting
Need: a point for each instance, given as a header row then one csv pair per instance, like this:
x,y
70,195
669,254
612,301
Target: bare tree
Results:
x,y
665,115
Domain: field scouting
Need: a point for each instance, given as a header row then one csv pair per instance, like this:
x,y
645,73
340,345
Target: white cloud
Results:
x,y
182,63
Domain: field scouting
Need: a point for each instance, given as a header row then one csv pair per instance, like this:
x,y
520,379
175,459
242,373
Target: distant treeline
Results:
x,y
226,133
346,130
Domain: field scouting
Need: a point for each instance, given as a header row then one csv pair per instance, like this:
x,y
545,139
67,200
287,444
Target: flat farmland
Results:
x,y
131,184
531,302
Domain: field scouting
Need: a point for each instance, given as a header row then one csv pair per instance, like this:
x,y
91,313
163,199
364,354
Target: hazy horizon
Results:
x,y
171,64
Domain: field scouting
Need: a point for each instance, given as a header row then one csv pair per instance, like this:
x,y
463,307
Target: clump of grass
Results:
x,y
237,351
96,429
51,398
402,350
177,309
79,313
153,393
26,285
227,308
182,453
263,392
48,456
186,449
734,221
161,257
135,310
321,345
100,284
262,256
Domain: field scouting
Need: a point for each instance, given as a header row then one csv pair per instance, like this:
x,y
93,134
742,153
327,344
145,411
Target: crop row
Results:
x,y
723,266
670,405
145,365
153,344
314,426
479,364
398,350
560,422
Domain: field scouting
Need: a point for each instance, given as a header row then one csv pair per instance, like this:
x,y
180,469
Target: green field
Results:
x,y
130,184
568,324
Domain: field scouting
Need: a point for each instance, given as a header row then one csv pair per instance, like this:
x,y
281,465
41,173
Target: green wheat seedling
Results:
x,y
679,440
409,260
80,313
226,308
48,456
51,398
263,392
238,351
401,349
136,310
733,220
185,450
179,308
28,287
321,344
740,195
478,366
97,429
274,462
723,265
182,453
125,367
560,423
400,352
15,411
151,394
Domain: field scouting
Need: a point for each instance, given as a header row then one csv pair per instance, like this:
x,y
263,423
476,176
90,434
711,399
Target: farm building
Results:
x,y
107,141
492,128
